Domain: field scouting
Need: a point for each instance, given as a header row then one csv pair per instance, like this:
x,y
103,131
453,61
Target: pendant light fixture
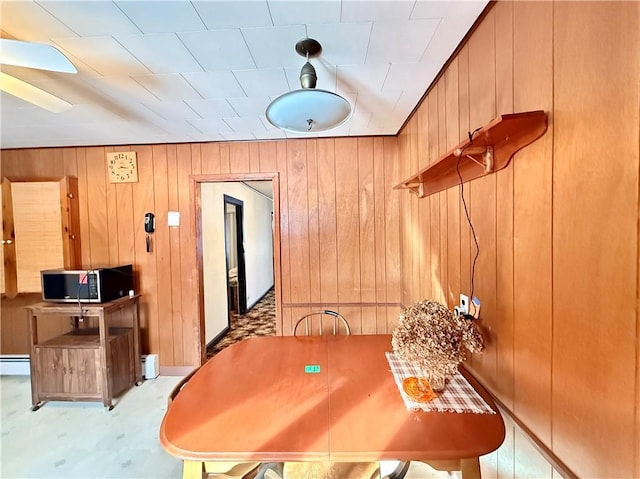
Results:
x,y
308,109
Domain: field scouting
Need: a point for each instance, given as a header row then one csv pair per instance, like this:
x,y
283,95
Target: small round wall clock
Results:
x,y
122,167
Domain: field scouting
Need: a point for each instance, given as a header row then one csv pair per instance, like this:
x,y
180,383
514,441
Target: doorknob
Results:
x,y
7,241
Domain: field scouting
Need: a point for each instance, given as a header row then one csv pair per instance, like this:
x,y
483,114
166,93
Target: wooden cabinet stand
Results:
x,y
95,361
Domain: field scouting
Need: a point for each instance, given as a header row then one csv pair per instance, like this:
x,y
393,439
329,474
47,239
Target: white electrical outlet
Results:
x,y
464,304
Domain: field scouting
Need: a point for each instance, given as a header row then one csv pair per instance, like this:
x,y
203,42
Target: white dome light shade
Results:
x,y
308,110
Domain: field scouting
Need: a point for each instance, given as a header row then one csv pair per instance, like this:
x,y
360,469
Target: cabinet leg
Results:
x,y
35,407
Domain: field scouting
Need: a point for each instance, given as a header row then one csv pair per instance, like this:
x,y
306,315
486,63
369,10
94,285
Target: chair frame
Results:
x,y
337,318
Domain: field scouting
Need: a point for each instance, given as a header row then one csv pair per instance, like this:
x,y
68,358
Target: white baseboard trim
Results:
x,y
14,365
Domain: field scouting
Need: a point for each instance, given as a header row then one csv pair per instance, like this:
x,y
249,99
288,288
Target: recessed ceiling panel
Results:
x,y
215,84
342,43
218,14
400,42
378,10
104,54
91,18
292,13
219,50
447,8
28,21
219,108
275,46
263,82
160,52
162,17
168,87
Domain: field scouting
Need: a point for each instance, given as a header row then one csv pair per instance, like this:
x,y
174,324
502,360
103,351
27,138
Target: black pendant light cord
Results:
x,y
466,211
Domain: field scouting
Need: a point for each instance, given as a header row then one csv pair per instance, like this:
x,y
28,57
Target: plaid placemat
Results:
x,y
458,395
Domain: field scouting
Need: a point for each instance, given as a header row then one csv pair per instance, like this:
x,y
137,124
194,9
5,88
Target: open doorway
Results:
x,y
226,230
234,254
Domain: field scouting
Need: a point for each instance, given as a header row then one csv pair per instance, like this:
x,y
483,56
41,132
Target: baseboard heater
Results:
x,y
18,365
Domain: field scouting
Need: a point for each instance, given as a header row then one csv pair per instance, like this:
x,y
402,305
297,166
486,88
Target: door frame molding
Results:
x,y
196,202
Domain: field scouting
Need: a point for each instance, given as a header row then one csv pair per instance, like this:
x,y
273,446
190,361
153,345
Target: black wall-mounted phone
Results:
x,y
149,227
149,223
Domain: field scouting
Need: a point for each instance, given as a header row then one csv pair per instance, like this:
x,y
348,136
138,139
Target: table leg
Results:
x,y
193,470
470,468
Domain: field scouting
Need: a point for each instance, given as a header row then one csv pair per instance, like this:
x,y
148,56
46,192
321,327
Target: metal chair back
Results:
x,y
321,317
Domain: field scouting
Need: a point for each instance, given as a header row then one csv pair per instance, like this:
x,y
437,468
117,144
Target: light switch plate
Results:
x,y
173,218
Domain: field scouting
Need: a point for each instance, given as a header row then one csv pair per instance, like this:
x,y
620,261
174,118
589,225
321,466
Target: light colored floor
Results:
x,y
83,440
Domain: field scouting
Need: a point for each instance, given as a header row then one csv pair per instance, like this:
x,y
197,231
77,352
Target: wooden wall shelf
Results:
x,y
491,150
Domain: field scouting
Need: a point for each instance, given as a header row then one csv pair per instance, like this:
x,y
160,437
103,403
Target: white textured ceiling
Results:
x,y
185,71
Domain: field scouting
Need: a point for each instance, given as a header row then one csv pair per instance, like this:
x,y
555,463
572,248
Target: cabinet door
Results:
x,y
37,220
82,371
50,370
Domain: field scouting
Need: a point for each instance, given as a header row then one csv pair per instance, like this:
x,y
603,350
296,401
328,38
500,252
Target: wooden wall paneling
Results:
x,y
463,112
595,236
368,318
49,162
354,316
239,157
440,90
254,157
452,107
15,330
196,159
313,222
268,157
347,220
532,183
452,128
210,153
83,208
112,212
418,256
285,263
329,269
442,196
421,116
180,342
297,194
188,274
453,246
380,233
145,262
405,221
392,220
444,252
225,160
483,192
97,207
367,216
162,254
504,213
70,162
435,267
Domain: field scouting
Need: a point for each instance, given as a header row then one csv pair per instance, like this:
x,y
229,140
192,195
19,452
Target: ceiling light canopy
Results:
x,y
308,109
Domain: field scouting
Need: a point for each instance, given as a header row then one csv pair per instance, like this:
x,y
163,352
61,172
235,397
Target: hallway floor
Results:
x,y
259,321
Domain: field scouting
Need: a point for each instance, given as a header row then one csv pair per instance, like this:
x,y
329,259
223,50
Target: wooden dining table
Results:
x,y
327,398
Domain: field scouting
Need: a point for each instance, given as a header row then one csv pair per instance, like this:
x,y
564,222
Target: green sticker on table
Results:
x,y
312,368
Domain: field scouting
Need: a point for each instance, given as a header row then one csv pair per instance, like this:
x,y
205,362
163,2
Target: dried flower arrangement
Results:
x,y
436,340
